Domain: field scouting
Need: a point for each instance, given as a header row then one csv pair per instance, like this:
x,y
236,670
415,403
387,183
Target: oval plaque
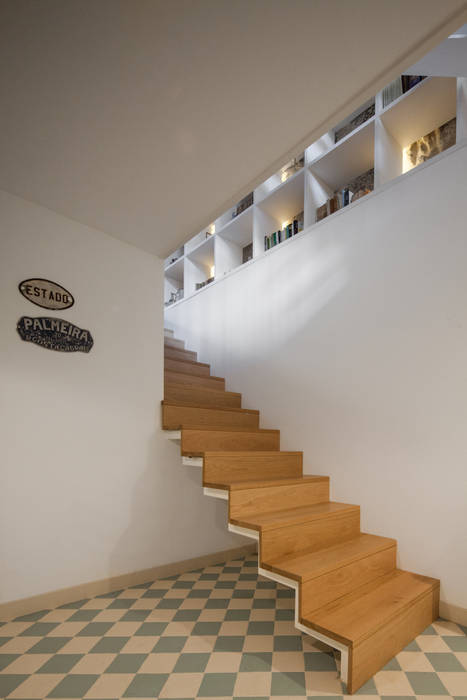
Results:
x,y
45,293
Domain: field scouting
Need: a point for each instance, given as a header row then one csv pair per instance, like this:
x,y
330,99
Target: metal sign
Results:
x,y
47,294
54,334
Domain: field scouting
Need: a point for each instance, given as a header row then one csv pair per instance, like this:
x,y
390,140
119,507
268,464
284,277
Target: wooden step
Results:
x,y
202,397
198,440
191,380
174,343
168,333
327,574
174,416
287,532
174,354
246,499
222,467
187,367
378,620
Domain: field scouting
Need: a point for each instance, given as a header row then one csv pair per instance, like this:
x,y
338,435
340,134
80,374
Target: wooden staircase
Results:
x,y
349,592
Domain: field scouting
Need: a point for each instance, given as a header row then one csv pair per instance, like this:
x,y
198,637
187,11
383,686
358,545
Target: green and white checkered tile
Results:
x,y
220,632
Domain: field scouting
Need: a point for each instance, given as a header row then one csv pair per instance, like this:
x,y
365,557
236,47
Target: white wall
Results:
x,y
89,486
352,340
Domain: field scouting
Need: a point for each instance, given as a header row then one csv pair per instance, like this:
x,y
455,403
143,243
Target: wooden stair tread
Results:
x,y
293,516
265,483
358,615
307,565
188,362
187,404
186,374
210,428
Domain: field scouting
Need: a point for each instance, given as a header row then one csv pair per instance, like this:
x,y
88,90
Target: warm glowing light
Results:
x,y
284,176
284,224
212,229
213,270
406,162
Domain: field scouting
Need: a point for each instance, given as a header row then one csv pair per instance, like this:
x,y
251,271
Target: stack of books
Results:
x,y
200,285
337,201
283,234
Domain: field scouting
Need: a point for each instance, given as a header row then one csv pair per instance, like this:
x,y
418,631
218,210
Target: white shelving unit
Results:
x,y
328,167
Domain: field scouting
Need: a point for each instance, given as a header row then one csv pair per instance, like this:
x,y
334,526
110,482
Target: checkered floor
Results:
x,y
221,632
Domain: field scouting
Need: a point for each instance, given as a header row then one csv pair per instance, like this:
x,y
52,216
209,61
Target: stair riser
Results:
x,y
209,398
220,468
174,354
186,368
196,442
311,535
191,380
173,417
261,500
173,343
334,584
370,655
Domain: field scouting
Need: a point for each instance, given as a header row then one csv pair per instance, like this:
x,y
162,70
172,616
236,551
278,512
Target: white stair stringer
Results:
x,y
343,649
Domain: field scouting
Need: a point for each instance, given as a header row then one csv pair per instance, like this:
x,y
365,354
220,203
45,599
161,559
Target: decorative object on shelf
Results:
x,y
54,334
360,193
247,253
242,205
429,145
47,294
293,166
409,81
353,123
360,185
200,285
175,296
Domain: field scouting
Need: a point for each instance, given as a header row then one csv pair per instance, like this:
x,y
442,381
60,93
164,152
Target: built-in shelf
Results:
x,y
372,153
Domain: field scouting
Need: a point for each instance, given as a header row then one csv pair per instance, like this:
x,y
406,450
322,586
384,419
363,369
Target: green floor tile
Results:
x,y
248,577
285,593
83,616
289,642
261,628
4,640
32,617
413,646
206,629
39,629
191,663
251,563
109,645
126,663
445,662
7,659
285,615
392,665
151,629
425,683
144,585
208,577
112,594
170,603
183,584
95,629
457,643
48,645
186,615
135,615
232,569
121,603
243,593
169,644
60,663
217,685
76,604
264,603
288,684
73,686
256,662
368,688
319,661
254,697
154,593
146,685
229,643
9,682
240,615
199,593
429,630
266,585
225,584
217,604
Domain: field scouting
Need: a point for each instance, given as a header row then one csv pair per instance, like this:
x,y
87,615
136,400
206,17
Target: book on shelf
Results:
x,y
289,230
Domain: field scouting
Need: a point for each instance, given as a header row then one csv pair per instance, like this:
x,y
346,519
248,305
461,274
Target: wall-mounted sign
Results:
x,y
47,294
54,334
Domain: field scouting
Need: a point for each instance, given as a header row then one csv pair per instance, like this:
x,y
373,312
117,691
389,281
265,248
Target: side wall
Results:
x,y
89,486
352,339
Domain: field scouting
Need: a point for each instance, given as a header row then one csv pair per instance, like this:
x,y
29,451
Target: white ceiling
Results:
x,y
147,118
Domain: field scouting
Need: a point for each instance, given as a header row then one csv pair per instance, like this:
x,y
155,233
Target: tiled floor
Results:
x,y
222,632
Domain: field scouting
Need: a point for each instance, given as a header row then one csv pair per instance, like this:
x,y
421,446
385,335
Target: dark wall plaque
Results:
x,y
54,334
47,294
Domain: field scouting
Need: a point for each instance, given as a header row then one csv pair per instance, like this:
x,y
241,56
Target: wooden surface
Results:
x,y
224,467
191,380
187,367
176,354
174,343
202,397
196,441
248,501
174,416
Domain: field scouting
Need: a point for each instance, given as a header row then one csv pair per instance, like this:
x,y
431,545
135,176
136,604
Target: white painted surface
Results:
x,y
89,486
352,340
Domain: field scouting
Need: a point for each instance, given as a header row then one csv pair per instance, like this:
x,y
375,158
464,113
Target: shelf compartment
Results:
x,y
286,200
428,105
350,157
175,270
240,229
203,254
